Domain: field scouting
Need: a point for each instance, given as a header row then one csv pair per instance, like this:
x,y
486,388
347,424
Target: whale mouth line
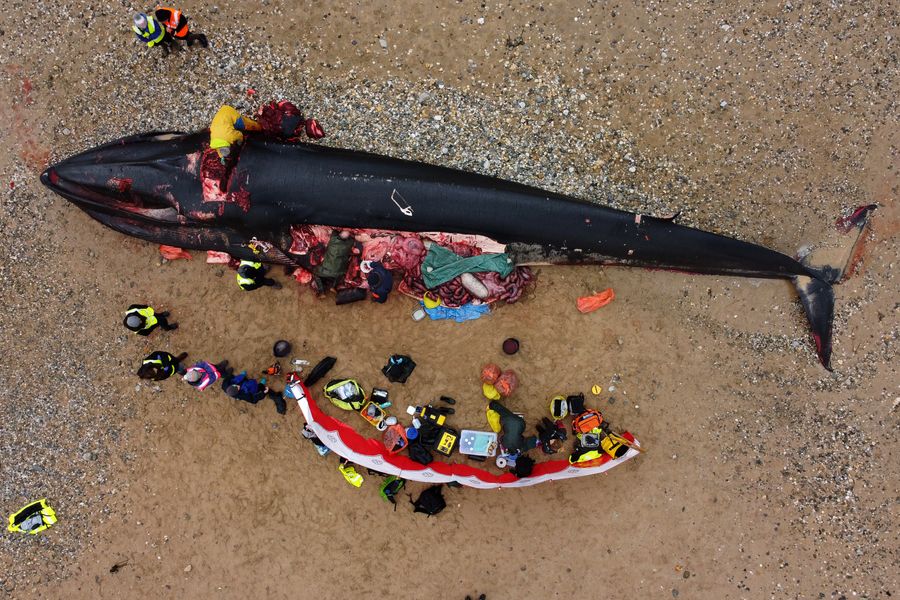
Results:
x,y
91,198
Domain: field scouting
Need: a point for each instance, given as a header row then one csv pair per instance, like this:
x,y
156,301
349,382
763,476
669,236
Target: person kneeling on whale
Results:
x,y
227,131
226,134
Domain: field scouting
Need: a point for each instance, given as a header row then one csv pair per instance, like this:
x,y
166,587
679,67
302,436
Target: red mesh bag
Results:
x,y
507,383
490,373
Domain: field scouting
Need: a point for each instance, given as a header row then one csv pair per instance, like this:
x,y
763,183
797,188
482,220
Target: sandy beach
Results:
x,y
766,476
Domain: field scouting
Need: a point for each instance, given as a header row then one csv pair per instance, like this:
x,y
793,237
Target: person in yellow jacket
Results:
x,y
226,131
142,319
151,32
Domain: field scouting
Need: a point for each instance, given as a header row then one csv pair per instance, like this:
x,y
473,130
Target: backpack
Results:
x,y
345,394
398,368
524,467
431,501
390,488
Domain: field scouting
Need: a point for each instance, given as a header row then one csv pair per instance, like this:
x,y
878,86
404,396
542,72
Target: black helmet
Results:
x,y
281,348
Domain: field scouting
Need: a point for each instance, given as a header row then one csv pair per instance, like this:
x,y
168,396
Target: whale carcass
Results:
x,y
152,186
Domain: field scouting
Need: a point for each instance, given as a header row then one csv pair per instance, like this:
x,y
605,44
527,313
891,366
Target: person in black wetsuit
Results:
x,y
513,425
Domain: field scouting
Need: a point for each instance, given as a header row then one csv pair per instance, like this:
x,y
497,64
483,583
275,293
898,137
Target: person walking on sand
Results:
x,y
142,319
201,375
177,26
151,32
161,365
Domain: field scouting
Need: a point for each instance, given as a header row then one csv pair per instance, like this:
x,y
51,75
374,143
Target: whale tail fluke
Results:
x,y
829,264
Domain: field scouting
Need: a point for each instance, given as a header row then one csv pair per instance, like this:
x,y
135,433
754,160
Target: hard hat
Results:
x,y
133,321
224,151
366,266
140,20
281,348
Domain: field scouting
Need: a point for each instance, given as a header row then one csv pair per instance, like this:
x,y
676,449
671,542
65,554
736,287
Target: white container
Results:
x,y
474,285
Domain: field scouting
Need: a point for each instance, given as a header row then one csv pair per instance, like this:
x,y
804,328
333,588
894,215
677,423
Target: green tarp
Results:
x,y
442,265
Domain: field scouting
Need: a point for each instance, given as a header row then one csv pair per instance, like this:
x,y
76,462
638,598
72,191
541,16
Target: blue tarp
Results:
x,y
466,312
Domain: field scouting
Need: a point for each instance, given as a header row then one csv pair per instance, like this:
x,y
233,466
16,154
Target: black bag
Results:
x,y
524,466
576,404
399,368
420,454
429,434
431,501
348,295
319,371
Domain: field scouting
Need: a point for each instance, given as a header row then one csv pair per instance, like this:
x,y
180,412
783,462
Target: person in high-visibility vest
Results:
x,y
161,365
142,319
203,374
151,32
226,131
251,274
177,25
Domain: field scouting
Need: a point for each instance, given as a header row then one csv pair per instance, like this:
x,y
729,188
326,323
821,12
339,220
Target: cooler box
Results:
x,y
477,443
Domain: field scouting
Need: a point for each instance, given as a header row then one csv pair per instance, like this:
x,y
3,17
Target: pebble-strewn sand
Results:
x,y
766,476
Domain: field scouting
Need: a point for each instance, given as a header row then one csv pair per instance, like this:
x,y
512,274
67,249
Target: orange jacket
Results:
x,y
174,22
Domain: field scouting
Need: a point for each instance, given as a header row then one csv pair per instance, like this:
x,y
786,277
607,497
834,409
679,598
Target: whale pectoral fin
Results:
x,y
817,297
835,260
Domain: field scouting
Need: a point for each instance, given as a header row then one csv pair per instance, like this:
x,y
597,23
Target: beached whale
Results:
x,y
152,186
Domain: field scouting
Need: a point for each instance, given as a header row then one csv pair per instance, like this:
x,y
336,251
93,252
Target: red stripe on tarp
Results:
x,y
373,447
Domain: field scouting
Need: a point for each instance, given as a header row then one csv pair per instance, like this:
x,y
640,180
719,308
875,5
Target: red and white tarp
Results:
x,y
346,442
